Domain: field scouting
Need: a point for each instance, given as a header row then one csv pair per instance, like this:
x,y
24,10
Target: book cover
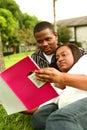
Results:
x,y
19,90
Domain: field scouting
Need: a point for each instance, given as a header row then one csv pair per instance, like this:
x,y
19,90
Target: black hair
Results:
x,y
43,25
74,49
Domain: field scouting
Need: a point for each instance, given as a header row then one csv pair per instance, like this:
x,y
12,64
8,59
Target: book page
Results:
x,y
38,83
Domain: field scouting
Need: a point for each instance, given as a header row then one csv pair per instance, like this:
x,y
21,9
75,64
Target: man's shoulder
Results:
x,y
37,53
83,51
40,59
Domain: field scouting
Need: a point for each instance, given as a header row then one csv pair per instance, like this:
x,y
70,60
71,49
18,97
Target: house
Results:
x,y
78,27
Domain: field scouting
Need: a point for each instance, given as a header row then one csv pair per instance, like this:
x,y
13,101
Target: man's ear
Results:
x,y
56,35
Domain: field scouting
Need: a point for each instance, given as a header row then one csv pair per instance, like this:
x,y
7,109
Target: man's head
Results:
x,y
46,37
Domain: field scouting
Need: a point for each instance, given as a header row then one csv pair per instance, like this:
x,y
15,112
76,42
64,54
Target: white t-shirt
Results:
x,y
48,57
70,94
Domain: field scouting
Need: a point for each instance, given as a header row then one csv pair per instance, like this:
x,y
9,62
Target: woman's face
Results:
x,y
65,59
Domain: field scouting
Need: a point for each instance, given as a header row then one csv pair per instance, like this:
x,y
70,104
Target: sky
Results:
x,y
43,9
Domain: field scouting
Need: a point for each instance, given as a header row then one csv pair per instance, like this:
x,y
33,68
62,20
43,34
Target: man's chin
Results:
x,y
48,52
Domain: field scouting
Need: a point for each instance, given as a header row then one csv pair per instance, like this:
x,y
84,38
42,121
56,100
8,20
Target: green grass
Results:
x,y
12,59
18,121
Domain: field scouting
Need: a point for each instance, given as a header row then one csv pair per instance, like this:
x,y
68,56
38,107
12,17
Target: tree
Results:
x,y
2,25
25,33
64,34
54,12
28,22
8,26
12,7
2,64
16,22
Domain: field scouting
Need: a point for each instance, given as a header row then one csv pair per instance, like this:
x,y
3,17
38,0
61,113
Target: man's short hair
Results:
x,y
43,25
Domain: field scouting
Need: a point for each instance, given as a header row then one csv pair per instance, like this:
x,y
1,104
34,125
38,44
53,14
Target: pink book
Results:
x,y
19,89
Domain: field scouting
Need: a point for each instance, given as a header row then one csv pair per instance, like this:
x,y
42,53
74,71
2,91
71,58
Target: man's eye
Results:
x,y
48,39
39,41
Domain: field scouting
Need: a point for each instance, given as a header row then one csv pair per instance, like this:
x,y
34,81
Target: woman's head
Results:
x,y
67,55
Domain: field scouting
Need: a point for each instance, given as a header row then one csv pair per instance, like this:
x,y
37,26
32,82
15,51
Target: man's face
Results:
x,y
46,41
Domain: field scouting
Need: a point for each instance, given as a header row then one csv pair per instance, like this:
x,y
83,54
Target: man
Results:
x,y
47,42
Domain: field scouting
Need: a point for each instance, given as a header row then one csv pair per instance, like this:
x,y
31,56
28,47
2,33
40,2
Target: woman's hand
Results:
x,y
49,75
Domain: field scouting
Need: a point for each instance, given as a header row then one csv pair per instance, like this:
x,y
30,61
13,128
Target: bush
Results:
x,y
7,53
64,34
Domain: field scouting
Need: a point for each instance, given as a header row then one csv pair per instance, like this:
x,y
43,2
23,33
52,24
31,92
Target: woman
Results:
x,y
71,113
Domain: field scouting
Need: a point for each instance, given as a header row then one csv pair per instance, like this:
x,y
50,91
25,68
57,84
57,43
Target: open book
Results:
x,y
19,89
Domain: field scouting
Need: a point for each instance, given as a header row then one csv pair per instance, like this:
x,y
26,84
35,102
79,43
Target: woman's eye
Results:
x,y
64,55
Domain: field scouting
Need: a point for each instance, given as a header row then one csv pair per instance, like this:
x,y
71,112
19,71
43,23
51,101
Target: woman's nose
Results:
x,y
60,58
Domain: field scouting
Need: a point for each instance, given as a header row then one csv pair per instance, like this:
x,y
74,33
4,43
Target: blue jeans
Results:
x,y
70,117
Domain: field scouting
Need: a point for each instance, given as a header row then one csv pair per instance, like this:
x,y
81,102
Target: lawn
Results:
x,y
18,121
12,59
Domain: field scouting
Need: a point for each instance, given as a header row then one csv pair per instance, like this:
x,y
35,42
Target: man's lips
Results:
x,y
46,50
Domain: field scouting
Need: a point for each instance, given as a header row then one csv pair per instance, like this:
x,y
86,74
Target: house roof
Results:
x,y
79,21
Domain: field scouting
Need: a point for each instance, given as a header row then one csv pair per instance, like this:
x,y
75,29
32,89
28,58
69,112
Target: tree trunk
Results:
x,y
54,12
2,64
14,49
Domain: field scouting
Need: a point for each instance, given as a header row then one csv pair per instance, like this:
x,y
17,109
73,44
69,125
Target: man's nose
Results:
x,y
45,43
